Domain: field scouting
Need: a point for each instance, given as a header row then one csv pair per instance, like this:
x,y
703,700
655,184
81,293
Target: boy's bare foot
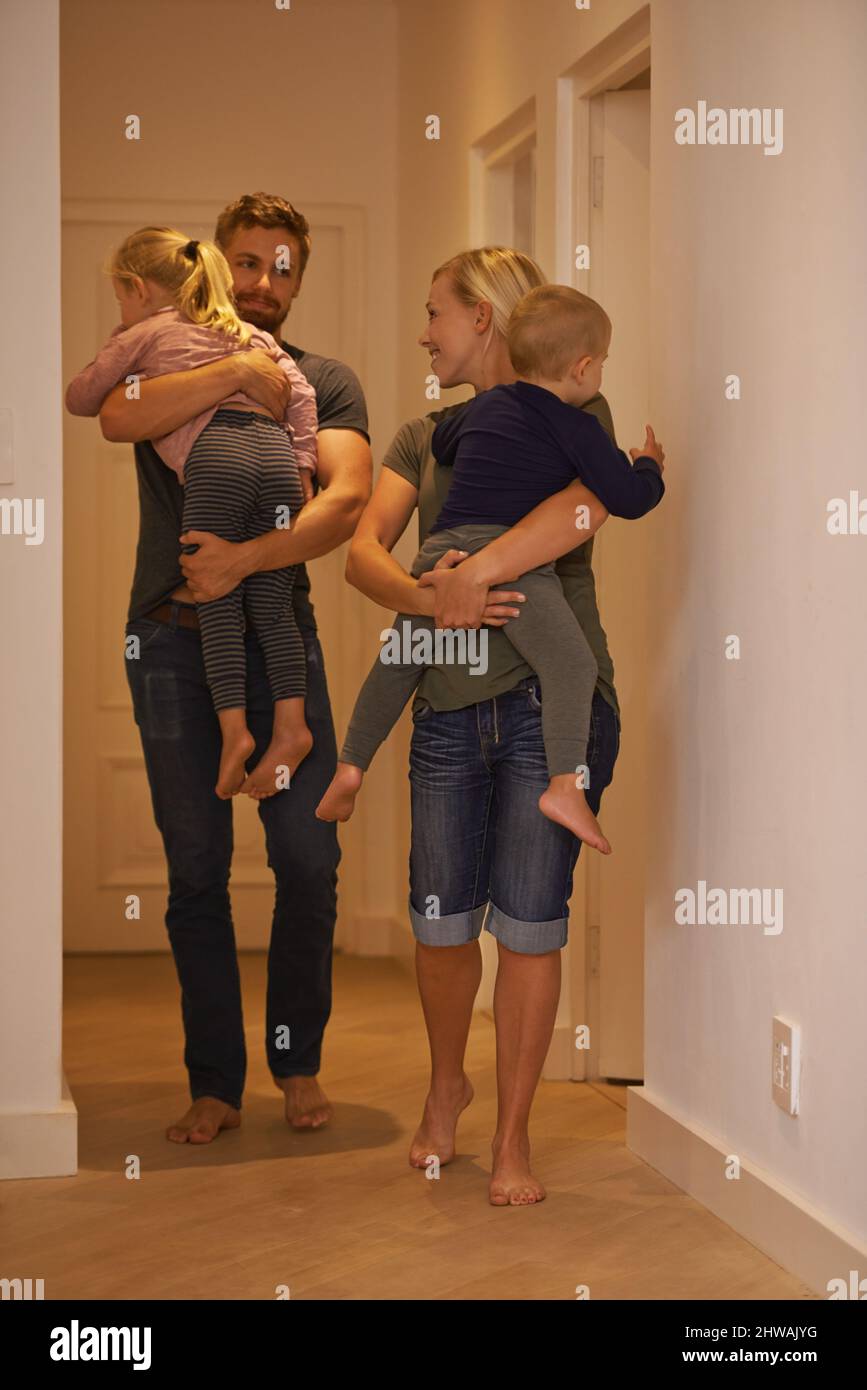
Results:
x,y
338,803
307,1106
203,1121
512,1183
435,1135
281,758
236,750
566,804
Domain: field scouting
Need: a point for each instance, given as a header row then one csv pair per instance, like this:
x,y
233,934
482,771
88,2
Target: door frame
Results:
x,y
621,56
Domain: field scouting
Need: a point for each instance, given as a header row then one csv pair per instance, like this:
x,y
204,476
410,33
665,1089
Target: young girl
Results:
x,y
241,474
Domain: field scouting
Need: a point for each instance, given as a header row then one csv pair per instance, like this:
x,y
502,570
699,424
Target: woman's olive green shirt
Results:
x,y
448,687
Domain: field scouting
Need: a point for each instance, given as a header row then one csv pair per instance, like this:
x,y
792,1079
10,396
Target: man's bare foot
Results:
x,y
203,1121
566,804
338,803
435,1136
281,758
236,751
307,1106
512,1183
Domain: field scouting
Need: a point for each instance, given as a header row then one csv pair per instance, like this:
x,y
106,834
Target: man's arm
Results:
x,y
344,473
167,402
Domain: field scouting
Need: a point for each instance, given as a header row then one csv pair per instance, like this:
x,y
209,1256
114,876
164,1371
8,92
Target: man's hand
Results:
x,y
651,449
463,601
215,569
306,484
262,379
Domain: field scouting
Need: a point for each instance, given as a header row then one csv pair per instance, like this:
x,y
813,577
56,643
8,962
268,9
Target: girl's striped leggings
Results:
x,y
240,481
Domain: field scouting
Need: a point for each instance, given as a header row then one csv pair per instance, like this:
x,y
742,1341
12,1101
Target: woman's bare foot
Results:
x,y
566,804
435,1135
338,803
203,1121
236,751
307,1106
281,758
512,1183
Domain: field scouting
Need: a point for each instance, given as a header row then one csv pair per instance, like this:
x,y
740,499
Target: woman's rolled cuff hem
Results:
x,y
457,929
527,938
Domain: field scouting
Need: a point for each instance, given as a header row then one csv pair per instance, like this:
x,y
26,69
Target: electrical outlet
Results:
x,y
786,1066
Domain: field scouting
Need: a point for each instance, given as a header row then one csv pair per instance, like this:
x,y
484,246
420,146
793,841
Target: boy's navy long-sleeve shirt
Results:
x,y
514,446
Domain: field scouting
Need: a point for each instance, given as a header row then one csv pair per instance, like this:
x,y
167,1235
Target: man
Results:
x,y
267,244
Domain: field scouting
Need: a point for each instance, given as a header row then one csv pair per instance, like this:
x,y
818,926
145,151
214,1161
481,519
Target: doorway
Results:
x,y
603,223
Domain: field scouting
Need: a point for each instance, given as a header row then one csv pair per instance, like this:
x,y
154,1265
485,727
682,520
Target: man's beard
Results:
x,y
268,320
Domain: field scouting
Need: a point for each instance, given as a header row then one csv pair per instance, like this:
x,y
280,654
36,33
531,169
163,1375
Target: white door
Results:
x,y
620,281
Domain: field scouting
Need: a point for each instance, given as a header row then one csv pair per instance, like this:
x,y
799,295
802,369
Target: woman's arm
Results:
x,y
165,403
552,529
370,566
373,570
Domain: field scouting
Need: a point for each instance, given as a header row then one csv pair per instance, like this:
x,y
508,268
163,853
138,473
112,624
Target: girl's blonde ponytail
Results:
x,y
195,273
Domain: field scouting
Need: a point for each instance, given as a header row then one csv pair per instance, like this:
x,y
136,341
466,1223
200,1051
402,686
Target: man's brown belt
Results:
x,y
165,613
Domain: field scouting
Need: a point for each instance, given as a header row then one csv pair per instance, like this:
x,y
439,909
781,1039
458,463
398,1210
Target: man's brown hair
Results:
x,y
264,210
552,327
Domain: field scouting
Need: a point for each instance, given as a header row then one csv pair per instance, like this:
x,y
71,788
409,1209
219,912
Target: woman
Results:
x,y
480,845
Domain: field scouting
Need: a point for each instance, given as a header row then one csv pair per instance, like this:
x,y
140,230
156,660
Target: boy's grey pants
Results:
x,y
547,635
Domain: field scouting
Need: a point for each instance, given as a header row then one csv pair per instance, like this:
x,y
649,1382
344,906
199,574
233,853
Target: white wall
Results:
x,y
37,1128
759,270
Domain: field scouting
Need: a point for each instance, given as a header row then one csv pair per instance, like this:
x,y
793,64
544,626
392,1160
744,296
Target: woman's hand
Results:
x,y
262,380
463,600
216,568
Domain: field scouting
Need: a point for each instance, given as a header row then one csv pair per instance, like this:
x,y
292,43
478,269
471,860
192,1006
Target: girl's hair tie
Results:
x,y
190,250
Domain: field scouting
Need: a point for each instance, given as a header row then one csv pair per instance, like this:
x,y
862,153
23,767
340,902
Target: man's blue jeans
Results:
x,y
181,740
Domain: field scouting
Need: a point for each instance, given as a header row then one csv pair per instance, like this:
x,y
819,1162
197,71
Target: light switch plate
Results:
x,y
786,1066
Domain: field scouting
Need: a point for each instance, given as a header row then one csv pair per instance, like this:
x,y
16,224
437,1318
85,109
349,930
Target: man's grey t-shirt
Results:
x,y
340,405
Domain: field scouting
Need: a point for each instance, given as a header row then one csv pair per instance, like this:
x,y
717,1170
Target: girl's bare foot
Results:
x,y
512,1183
566,804
283,755
435,1135
338,803
237,748
307,1106
203,1121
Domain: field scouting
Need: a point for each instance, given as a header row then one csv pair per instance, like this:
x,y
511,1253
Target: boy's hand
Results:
x,y
261,378
651,450
306,484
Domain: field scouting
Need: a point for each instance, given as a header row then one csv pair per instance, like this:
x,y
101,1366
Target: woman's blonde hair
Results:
x,y
498,274
195,274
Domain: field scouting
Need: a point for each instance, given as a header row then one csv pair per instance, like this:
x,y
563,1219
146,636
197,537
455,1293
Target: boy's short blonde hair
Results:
x,y
552,327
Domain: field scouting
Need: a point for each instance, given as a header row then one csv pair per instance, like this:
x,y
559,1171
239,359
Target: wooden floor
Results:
x,y
340,1214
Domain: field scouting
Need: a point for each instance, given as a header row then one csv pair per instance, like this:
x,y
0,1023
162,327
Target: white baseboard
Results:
x,y
40,1145
777,1221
